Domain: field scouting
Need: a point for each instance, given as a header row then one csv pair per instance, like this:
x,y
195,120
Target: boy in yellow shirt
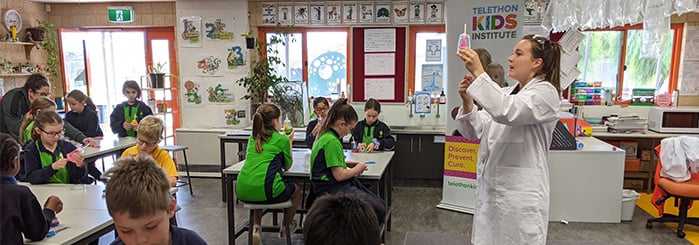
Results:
x,y
149,134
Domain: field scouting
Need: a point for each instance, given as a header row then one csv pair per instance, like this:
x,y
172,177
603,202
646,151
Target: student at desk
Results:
x,y
371,133
21,212
329,171
320,107
150,133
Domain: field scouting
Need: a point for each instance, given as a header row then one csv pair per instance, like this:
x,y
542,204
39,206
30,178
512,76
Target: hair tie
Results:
x,y
31,111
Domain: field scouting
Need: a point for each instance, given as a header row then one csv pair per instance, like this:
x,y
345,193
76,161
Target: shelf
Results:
x,y
15,74
28,47
636,175
20,43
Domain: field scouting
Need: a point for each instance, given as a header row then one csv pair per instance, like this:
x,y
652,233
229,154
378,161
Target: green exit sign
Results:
x,y
120,14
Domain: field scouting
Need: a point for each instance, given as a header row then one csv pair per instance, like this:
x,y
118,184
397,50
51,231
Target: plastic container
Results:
x,y
628,204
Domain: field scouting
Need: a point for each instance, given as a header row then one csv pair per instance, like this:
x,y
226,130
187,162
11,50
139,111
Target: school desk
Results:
x,y
379,174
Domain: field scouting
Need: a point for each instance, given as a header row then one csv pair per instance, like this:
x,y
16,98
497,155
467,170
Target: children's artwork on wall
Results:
x,y
366,12
349,12
192,93
417,12
285,13
218,92
301,13
269,13
334,14
435,12
190,27
215,29
383,12
230,117
433,50
400,12
208,65
236,58
432,78
317,13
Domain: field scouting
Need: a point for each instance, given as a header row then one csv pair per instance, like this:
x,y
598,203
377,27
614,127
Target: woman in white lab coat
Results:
x,y
515,129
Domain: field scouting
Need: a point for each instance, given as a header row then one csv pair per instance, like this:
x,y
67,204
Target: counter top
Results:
x,y
412,129
646,134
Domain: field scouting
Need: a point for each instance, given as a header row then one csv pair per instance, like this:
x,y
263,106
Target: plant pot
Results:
x,y
250,42
157,80
37,33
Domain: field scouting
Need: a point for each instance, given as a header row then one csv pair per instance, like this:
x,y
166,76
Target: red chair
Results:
x,y
683,192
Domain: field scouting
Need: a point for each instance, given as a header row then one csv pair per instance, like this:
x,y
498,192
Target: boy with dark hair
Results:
x,y
139,200
341,220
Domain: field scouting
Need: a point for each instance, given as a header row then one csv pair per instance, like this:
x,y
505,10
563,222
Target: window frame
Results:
x,y
413,30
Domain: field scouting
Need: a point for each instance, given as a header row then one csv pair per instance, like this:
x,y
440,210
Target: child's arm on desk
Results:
x,y
342,174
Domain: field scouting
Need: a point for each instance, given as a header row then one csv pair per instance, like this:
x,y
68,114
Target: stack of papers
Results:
x,y
626,124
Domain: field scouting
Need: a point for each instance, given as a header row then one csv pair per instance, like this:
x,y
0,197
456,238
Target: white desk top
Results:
x,y
648,134
81,224
302,163
299,136
74,196
109,145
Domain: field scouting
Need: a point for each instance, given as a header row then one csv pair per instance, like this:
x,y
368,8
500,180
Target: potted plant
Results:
x,y
263,74
50,44
249,40
156,72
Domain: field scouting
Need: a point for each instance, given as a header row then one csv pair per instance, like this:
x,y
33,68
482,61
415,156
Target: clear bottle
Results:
x,y
442,98
287,126
354,145
410,96
464,39
675,97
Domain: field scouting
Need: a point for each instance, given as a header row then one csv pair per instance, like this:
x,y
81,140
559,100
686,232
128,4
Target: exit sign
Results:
x,y
120,14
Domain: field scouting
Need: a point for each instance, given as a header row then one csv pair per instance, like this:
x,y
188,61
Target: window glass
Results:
x,y
290,55
327,64
646,72
430,71
600,51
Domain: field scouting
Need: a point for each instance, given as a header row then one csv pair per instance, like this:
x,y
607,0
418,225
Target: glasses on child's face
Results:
x,y
53,134
321,109
146,143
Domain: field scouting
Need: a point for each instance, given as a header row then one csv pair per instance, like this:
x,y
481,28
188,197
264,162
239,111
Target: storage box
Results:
x,y
632,165
636,184
647,166
646,155
630,147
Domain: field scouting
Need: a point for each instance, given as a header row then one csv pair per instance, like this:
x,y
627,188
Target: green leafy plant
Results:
x,y
50,44
157,68
263,74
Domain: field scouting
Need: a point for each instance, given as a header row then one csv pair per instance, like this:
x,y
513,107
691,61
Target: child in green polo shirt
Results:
x,y
126,116
268,156
50,159
371,133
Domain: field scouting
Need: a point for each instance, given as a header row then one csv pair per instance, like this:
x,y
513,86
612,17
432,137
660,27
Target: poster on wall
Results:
x,y
400,12
317,13
434,12
417,12
334,13
208,65
191,32
366,12
230,117
460,165
193,92
349,12
236,59
269,14
383,12
286,13
300,13
215,29
433,52
432,77
534,10
218,92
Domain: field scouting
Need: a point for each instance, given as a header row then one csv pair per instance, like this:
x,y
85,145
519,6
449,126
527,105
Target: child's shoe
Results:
x,y
256,238
292,229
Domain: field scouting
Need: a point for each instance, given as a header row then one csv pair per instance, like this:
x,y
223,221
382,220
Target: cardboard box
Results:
x,y
636,184
630,147
632,165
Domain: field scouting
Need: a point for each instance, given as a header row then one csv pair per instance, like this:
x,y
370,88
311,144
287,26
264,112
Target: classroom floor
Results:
x,y
414,217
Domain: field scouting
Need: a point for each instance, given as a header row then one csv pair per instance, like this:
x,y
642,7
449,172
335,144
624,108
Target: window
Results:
x,y
426,71
316,55
614,57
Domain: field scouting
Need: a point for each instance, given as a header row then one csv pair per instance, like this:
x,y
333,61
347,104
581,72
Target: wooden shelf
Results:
x,y
28,47
15,74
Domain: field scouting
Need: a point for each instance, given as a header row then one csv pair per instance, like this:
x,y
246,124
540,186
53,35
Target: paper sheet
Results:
x,y
379,88
571,39
379,40
568,78
568,60
379,64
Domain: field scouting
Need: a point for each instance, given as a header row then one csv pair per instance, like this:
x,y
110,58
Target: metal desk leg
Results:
x,y
231,211
222,144
389,194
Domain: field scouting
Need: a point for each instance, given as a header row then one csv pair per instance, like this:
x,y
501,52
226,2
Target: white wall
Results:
x,y
211,115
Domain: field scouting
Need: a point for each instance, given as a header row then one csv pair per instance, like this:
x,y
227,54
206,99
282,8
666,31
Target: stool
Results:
x,y
174,149
253,206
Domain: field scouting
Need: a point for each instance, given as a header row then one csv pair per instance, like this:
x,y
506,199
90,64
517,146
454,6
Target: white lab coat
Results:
x,y
515,131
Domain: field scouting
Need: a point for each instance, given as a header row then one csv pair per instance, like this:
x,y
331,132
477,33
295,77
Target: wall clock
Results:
x,y
12,17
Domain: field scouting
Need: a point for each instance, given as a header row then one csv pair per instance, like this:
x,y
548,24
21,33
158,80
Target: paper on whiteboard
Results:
x,y
379,64
568,60
379,88
691,46
571,39
688,83
379,40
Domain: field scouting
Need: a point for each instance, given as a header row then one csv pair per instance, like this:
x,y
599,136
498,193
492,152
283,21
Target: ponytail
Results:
x,y
340,110
79,96
262,121
41,103
258,130
9,149
550,54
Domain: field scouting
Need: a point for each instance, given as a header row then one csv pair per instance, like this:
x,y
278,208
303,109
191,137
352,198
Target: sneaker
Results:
x,y
292,228
256,238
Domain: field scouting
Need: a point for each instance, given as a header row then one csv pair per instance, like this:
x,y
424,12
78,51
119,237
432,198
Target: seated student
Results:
x,y
126,116
497,73
50,159
329,171
150,133
320,107
139,201
371,133
21,212
341,220
43,103
83,116
261,178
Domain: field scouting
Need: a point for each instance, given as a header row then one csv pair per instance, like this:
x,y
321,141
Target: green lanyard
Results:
x,y
129,116
368,135
61,175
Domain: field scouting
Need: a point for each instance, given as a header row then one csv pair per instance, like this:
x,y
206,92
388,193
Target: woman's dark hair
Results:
x,y
550,53
132,85
319,100
39,104
45,117
9,149
263,121
36,81
372,104
340,110
82,98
